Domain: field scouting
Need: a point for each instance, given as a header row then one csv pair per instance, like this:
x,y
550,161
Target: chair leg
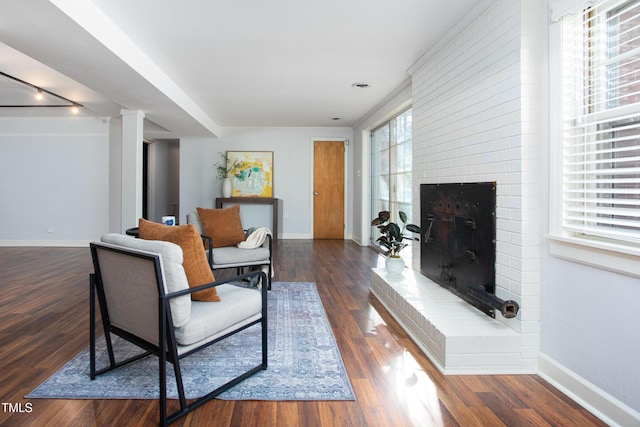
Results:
x,y
162,365
178,373
264,322
265,350
175,360
92,327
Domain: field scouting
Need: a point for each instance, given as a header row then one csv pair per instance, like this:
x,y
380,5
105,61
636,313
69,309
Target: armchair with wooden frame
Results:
x,y
144,297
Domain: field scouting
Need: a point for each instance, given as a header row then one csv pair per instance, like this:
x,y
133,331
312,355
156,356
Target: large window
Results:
x,y
391,168
601,123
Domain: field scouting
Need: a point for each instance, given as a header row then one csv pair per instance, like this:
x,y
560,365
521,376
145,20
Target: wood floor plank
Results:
x,y
44,319
340,414
288,414
374,406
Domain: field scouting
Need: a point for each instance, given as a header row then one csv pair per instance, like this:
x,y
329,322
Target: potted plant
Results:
x,y
222,174
392,238
221,167
224,168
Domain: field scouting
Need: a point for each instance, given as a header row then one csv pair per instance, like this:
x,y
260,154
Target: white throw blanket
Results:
x,y
255,239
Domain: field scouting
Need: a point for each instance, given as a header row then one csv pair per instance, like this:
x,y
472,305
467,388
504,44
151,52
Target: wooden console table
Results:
x,y
220,201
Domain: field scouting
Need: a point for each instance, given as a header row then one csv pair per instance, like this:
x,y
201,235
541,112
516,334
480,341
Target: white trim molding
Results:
x,y
604,255
598,402
46,243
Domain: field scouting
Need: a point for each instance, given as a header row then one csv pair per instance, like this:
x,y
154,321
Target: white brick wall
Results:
x,y
469,120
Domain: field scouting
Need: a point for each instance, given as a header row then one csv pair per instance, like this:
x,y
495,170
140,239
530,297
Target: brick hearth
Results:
x,y
458,338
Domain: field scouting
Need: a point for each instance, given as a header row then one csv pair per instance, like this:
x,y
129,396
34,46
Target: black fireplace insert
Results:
x,y
458,247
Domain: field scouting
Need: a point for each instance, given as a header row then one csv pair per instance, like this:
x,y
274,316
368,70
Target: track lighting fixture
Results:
x,y
40,96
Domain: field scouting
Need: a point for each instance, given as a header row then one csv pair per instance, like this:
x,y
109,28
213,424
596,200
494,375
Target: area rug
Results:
x,y
304,361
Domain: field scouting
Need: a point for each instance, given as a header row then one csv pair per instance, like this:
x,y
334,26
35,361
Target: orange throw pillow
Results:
x,y
195,261
224,226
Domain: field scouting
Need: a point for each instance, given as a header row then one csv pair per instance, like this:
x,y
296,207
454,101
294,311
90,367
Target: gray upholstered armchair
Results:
x,y
144,297
232,256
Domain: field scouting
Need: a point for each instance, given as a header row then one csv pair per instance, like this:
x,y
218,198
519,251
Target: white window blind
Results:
x,y
601,122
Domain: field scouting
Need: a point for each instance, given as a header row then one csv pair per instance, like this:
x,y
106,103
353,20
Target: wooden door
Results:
x,y
328,190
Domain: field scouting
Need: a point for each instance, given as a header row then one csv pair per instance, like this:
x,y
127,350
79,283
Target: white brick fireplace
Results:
x,y
469,125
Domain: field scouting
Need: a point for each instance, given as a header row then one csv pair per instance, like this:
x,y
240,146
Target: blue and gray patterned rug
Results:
x,y
304,361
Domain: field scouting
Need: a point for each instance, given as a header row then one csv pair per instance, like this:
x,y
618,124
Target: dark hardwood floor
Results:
x,y
44,315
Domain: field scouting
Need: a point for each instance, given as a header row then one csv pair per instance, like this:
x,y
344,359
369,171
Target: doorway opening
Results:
x,y
161,179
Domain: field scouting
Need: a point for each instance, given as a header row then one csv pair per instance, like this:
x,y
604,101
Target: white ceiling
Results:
x,y
198,65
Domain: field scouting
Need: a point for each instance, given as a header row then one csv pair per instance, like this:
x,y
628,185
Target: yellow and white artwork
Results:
x,y
251,173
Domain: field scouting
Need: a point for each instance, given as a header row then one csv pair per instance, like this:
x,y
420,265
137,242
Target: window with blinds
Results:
x,y
601,122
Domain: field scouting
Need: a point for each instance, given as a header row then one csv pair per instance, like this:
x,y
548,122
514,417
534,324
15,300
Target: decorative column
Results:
x,y
132,140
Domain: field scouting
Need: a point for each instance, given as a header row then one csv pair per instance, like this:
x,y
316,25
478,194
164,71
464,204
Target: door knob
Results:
x,y
315,193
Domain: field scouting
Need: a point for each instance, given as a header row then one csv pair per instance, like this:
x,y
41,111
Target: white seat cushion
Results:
x,y
209,320
236,256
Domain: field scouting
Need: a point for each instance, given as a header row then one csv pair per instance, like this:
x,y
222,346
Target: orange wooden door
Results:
x,y
328,190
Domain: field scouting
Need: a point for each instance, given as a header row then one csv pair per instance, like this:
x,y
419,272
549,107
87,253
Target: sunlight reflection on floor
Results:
x,y
414,387
407,379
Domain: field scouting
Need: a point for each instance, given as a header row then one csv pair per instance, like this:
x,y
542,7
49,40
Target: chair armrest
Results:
x,y
268,243
207,242
263,281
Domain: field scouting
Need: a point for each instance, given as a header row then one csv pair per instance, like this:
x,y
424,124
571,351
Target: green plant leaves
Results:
x,y
392,234
414,228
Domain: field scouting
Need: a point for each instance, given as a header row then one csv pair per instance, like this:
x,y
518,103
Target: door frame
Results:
x,y
345,141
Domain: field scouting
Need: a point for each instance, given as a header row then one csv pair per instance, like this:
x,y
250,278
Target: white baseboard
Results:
x,y
598,402
80,243
359,240
297,236
47,243
307,236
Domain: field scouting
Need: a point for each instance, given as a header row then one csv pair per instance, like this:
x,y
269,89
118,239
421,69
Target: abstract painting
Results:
x,y
251,173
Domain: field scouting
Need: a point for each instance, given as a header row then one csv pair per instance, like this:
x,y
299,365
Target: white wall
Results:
x,y
54,187
197,174
292,181
589,328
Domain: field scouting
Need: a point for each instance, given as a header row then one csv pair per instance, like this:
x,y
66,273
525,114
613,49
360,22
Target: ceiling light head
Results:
x,y
335,118
361,85
40,95
75,108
